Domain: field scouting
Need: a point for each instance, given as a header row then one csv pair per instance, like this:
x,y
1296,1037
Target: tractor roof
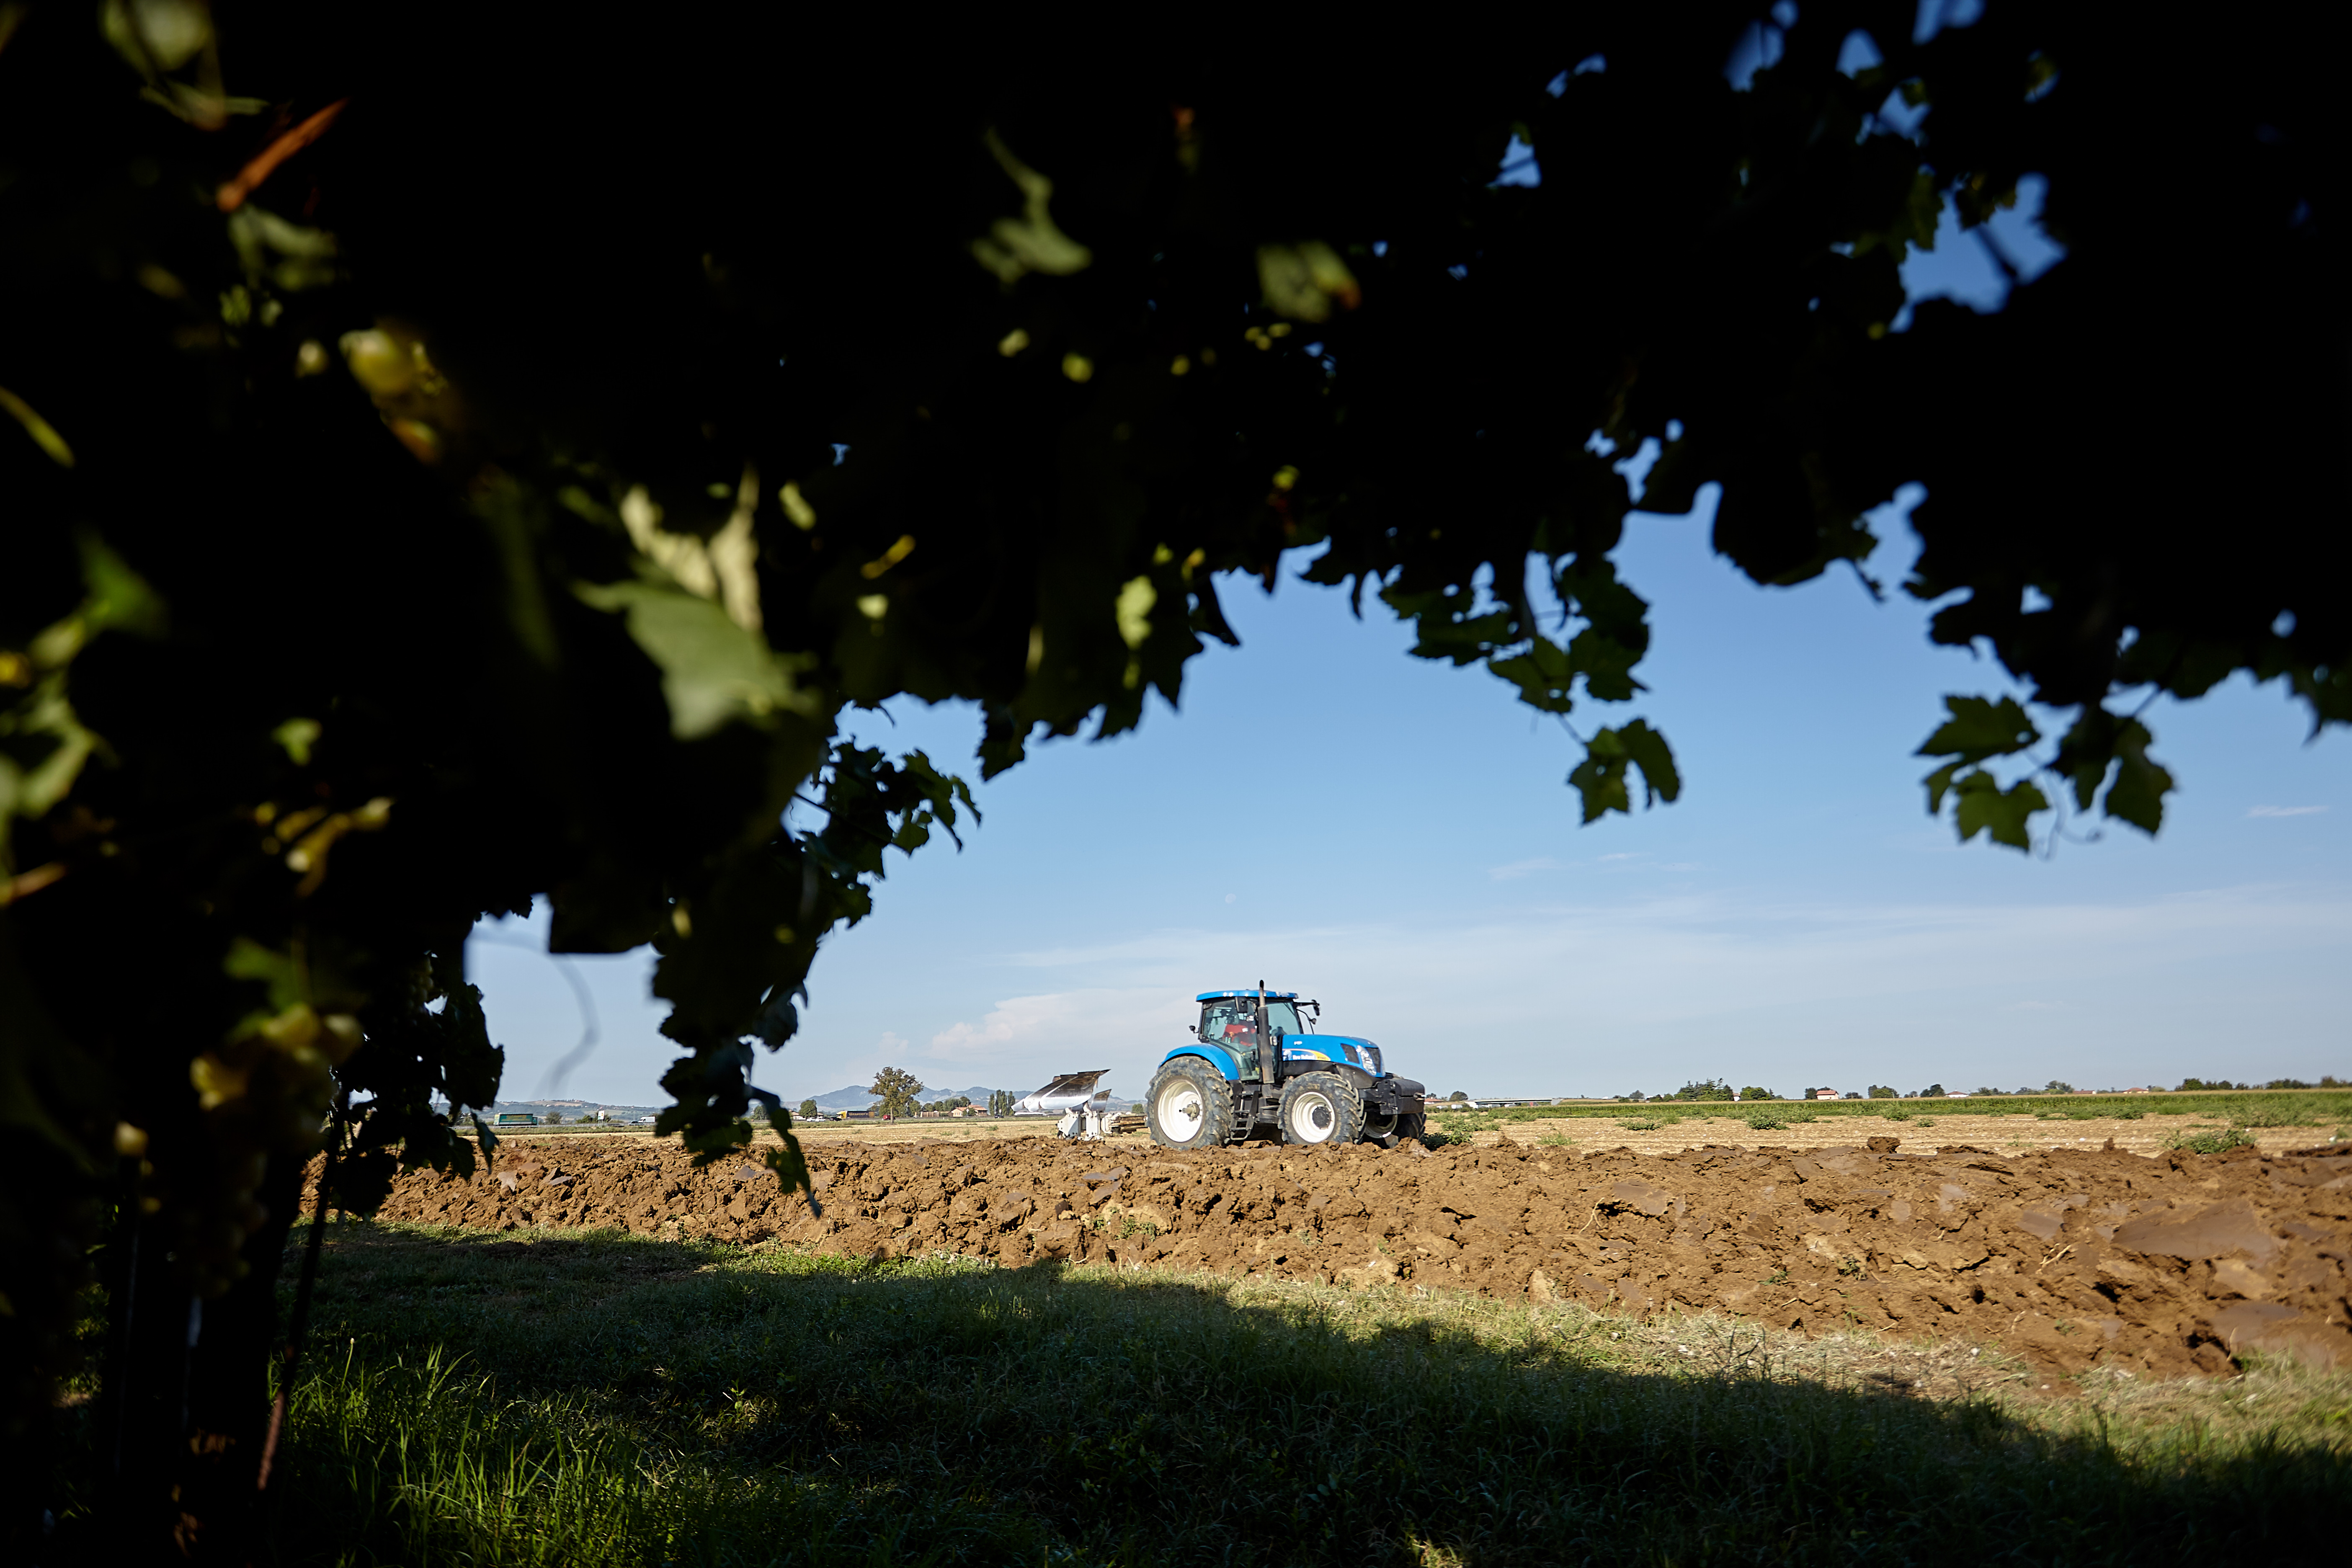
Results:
x,y
1252,994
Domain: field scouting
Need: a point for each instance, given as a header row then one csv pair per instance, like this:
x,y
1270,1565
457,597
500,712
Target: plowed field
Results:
x,y
2164,1266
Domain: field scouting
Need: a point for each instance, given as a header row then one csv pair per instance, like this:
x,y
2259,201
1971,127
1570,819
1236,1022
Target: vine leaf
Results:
x,y
1980,728
2137,795
713,670
1984,806
1601,777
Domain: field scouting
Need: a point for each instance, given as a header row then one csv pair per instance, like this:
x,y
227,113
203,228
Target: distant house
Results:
x,y
1825,1094
517,1118
968,1111
647,1121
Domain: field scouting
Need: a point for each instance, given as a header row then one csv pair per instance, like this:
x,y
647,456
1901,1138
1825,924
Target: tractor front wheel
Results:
x,y
1189,1106
1320,1108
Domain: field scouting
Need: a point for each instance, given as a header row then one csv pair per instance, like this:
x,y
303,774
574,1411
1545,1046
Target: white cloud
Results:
x,y
1045,1032
2286,811
1016,1020
1518,868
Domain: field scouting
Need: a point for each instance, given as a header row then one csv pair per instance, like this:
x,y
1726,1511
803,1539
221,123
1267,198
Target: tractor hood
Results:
x,y
1353,1049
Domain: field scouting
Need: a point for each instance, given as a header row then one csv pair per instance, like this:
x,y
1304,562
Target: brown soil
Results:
x,y
2076,1258
2148,1134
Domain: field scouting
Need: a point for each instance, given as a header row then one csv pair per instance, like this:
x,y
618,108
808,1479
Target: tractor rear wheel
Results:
x,y
1320,1108
1189,1106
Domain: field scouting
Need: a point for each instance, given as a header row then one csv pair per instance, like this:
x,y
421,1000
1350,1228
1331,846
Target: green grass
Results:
x,y
606,1400
2210,1140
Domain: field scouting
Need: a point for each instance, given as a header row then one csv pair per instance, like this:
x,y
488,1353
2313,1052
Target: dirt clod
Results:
x,y
2074,1257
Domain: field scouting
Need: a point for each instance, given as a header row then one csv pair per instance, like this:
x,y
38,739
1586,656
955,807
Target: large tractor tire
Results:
x,y
1320,1108
1189,1106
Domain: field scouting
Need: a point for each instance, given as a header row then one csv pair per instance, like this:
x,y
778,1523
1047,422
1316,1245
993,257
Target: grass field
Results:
x,y
589,1399
2240,1108
2274,1120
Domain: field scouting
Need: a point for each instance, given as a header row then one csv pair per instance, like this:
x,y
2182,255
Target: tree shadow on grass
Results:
x,y
586,1397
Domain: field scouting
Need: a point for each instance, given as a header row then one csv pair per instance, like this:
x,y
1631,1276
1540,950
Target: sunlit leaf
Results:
x,y
714,672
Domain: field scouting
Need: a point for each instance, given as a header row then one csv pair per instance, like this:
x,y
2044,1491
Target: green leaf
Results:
x,y
296,737
1939,784
248,959
1999,813
1979,729
118,598
2103,748
1601,777
2137,795
1543,674
44,435
713,671
1607,664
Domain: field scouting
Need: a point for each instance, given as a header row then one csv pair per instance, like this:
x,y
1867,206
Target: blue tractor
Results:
x,y
1251,1065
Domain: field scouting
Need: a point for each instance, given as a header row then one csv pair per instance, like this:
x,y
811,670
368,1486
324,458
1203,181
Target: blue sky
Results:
x,y
1395,838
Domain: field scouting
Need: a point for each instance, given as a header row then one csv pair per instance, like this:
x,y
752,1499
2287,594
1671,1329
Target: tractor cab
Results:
x,y
1257,1057
1229,1019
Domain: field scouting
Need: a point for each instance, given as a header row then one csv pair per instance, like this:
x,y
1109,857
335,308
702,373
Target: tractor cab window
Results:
x,y
1232,1021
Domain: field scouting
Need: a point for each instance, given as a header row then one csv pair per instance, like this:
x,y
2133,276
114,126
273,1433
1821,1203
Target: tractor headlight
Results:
x,y
1371,1058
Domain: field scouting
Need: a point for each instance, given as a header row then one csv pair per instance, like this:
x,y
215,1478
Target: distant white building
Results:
x,y
647,1121
1825,1094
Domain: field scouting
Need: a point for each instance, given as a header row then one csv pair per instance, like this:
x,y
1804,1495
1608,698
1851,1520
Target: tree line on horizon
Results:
x,y
1715,1090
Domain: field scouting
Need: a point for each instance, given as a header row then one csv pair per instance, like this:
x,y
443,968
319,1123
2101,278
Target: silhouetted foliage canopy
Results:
x,y
478,458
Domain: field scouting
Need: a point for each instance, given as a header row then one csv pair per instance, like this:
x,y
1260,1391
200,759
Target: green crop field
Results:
x,y
2326,1110
593,1399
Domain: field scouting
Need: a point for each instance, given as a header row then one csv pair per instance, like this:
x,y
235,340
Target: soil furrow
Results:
x,y
2076,1258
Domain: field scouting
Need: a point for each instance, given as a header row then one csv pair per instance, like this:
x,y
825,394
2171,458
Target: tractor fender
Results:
x,y
1228,1066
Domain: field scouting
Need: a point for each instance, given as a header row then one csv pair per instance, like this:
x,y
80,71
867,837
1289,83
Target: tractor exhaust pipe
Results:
x,y
1265,1042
